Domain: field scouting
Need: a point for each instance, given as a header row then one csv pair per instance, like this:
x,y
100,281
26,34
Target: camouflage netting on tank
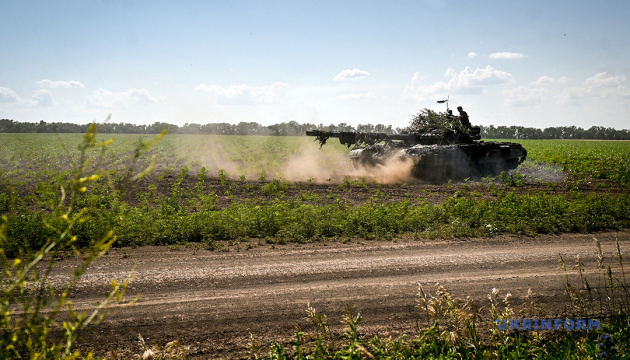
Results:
x,y
427,118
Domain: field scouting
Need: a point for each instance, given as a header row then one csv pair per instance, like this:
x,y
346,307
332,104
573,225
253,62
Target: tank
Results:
x,y
438,146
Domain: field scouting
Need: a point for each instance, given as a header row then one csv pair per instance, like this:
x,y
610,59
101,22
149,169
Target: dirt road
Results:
x,y
212,301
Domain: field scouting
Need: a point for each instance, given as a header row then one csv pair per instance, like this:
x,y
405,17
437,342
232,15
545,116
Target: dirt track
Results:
x,y
212,301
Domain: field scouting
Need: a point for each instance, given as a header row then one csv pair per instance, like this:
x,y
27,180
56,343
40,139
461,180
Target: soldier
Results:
x,y
463,117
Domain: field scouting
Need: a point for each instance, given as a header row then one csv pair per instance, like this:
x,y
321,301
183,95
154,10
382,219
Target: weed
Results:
x,y
171,351
275,187
222,177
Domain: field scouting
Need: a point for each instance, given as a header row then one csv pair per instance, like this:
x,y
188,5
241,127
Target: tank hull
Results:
x,y
437,164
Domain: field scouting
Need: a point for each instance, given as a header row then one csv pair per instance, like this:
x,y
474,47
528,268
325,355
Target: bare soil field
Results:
x,y
212,301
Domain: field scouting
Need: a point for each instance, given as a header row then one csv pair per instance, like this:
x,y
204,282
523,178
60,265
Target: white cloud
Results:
x,y
8,95
107,99
369,95
483,77
544,80
526,96
43,98
506,55
40,97
599,85
354,74
604,79
467,81
245,94
61,84
472,55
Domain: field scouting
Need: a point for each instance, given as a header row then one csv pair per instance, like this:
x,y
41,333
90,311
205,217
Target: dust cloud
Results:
x,y
394,171
314,166
310,164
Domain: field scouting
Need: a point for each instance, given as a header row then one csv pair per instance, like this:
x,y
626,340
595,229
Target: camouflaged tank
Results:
x,y
445,151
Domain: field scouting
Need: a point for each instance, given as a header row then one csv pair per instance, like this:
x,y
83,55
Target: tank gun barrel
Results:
x,y
349,138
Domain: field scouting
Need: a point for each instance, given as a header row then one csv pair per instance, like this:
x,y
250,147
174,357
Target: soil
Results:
x,y
215,303
359,190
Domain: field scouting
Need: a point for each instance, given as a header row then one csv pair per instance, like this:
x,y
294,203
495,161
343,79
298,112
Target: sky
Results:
x,y
528,63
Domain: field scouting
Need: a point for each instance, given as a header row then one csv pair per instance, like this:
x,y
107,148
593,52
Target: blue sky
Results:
x,y
527,63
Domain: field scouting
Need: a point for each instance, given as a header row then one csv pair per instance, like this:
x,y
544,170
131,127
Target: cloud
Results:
x,y
482,77
107,99
506,55
526,96
602,85
369,95
40,97
604,79
472,55
544,80
245,94
61,84
43,98
354,74
8,95
467,81
547,80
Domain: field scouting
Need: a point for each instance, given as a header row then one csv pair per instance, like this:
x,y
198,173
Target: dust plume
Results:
x,y
314,165
395,170
309,163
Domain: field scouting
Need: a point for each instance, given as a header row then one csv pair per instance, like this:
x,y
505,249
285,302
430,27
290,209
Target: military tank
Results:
x,y
438,145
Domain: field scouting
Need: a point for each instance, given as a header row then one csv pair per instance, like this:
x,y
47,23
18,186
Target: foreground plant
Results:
x,y
37,319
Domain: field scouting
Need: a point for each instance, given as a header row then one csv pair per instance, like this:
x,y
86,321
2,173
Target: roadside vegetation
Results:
x,y
223,192
458,328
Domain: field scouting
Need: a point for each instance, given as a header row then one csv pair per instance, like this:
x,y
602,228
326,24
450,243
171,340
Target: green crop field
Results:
x,y
199,182
254,156
583,160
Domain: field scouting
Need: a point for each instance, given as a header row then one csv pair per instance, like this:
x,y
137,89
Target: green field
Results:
x,y
226,189
254,156
583,160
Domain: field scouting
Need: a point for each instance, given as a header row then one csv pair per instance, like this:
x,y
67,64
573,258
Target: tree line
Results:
x,y
293,128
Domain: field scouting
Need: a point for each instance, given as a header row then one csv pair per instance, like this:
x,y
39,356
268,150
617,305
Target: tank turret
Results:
x,y
439,146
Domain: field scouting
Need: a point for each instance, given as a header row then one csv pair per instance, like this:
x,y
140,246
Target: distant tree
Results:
x,y
293,128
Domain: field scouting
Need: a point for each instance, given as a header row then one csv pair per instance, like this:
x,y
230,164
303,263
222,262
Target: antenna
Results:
x,y
445,101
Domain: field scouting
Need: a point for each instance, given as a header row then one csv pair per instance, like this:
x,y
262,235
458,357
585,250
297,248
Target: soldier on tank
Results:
x,y
463,117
